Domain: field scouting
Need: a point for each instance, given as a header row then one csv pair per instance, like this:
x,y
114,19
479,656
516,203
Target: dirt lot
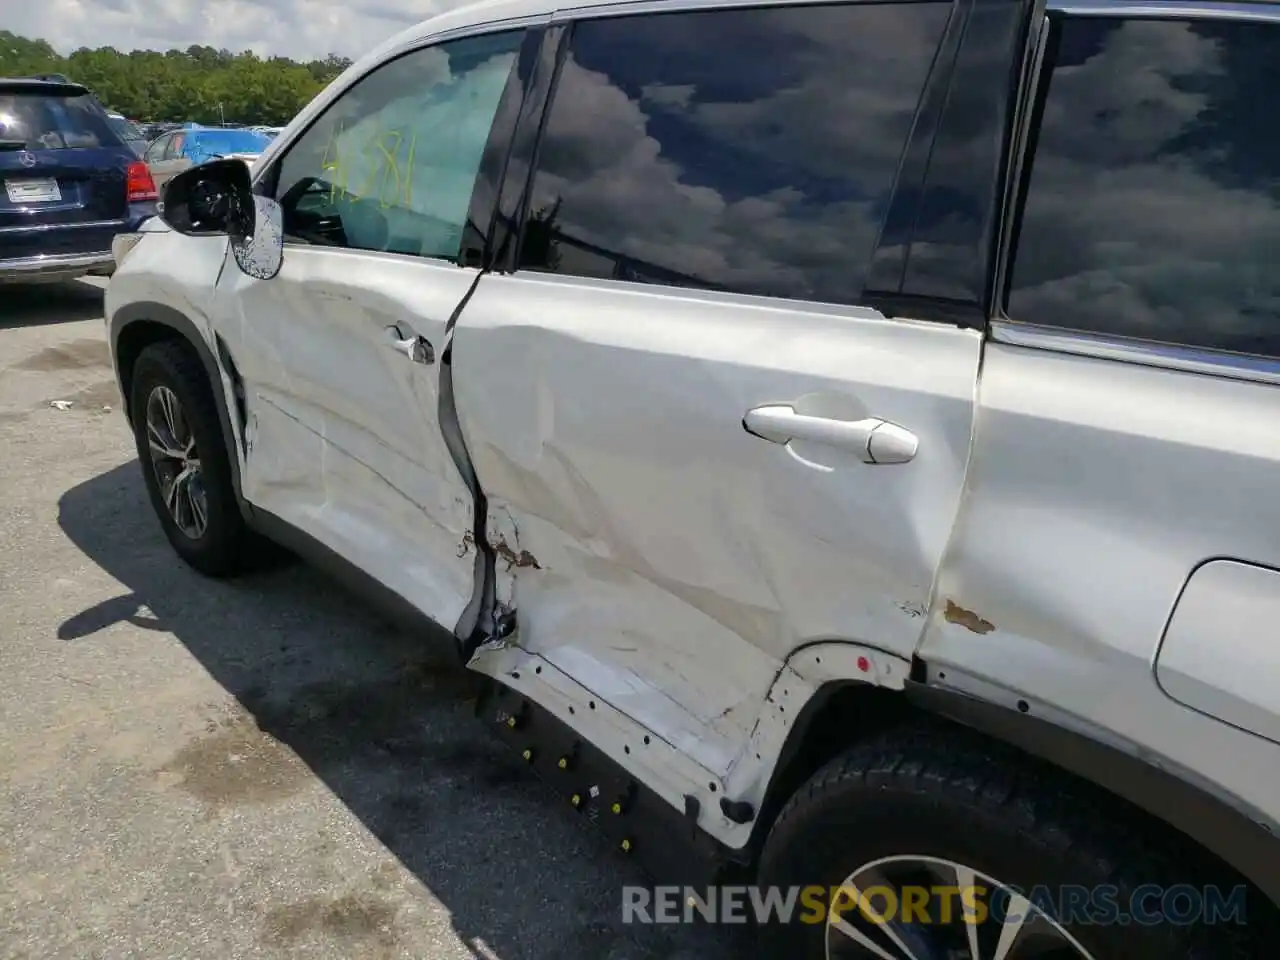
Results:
x,y
248,769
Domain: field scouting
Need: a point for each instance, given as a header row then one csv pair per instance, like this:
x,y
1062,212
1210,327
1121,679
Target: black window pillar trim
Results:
x,y
976,88
516,193
888,264
482,235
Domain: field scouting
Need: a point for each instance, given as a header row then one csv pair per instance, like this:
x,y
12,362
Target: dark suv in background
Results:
x,y
69,183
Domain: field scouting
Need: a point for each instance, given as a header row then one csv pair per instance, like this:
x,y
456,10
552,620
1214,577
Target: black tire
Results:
x,y
947,794
220,551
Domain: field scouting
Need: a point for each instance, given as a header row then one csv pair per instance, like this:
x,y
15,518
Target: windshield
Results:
x,y
44,121
229,141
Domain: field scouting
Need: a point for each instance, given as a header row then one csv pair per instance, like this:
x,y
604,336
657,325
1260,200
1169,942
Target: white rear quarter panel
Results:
x,y
1096,488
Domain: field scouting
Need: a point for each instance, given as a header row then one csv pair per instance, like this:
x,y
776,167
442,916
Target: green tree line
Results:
x,y
198,83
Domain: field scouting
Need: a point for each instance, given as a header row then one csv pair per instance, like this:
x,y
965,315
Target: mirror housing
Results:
x,y
217,199
197,202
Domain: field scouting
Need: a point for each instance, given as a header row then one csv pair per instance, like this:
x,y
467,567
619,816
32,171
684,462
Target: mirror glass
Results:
x,y
256,228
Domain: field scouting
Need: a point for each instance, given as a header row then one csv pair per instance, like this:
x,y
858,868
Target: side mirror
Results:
x,y
257,238
217,198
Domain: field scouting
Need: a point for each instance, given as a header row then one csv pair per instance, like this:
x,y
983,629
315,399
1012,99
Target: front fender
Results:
x,y
133,326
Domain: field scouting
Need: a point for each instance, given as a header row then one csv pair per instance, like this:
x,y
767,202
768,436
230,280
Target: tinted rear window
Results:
x,y
750,150
41,121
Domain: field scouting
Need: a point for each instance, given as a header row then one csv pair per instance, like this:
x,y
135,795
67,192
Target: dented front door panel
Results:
x,y
339,361
653,548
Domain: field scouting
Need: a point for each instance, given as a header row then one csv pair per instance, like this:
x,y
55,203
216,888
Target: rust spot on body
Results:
x,y
468,541
954,613
522,559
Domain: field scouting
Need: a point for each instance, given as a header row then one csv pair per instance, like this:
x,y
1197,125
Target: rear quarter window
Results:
x,y
43,121
1152,207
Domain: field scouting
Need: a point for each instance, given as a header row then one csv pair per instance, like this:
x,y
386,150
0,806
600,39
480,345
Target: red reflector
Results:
x,y
141,186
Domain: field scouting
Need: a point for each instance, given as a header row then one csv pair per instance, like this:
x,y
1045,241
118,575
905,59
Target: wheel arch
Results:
x,y
845,711
136,326
1223,832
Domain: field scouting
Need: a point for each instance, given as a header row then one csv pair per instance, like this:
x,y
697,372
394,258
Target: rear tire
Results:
x,y
923,803
190,482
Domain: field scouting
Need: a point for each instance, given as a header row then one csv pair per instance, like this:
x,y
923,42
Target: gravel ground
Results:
x,y
249,769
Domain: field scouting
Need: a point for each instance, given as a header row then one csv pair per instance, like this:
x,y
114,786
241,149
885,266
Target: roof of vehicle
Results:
x,y
215,131
235,138
492,11
63,87
485,11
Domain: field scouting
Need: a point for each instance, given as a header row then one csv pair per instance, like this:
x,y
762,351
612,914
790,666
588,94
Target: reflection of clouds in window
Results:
x,y
760,164
1139,220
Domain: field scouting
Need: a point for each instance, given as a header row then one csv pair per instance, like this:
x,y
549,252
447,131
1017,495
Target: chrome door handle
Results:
x,y
416,348
872,440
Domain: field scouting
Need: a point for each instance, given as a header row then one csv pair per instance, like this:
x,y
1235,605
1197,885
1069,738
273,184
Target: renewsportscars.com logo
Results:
x,y
1103,905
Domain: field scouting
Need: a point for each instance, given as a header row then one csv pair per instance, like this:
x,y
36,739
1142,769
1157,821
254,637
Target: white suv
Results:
x,y
847,435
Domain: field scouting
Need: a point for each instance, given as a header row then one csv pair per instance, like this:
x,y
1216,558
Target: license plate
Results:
x,y
32,191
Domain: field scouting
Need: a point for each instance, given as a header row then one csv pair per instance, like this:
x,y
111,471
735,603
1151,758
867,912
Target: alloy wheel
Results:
x,y
962,914
176,463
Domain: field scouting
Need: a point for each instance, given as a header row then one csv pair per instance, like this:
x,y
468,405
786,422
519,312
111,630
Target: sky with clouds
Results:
x,y
297,28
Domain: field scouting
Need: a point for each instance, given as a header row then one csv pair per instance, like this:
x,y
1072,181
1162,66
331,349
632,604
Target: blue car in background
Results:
x,y
69,183
177,150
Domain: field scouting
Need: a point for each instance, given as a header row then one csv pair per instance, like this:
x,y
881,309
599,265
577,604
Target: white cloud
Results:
x,y
298,28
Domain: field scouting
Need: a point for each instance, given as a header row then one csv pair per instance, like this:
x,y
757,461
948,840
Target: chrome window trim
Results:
x,y
1213,363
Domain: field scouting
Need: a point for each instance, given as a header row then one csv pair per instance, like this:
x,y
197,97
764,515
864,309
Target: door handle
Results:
x,y
416,348
872,440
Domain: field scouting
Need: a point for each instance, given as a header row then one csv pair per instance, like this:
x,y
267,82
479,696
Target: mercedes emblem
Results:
x,y
27,159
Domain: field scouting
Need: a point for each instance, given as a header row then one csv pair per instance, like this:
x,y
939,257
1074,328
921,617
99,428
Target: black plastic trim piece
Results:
x,y
888,264
739,811
1221,829
470,630
959,214
478,236
1035,117
517,184
961,313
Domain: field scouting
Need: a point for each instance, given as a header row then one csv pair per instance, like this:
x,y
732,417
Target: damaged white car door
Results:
x,y
338,356
685,485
